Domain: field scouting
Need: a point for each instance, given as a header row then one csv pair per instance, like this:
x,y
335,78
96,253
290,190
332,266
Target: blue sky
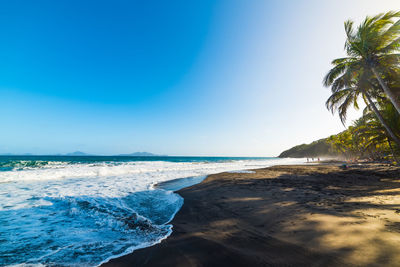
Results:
x,y
222,77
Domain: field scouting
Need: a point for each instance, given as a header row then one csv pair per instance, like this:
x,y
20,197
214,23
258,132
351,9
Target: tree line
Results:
x,y
369,73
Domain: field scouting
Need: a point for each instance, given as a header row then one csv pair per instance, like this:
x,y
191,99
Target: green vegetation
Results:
x,y
316,149
366,138
371,73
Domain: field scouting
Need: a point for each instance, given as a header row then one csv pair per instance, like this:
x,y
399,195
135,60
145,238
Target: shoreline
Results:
x,y
316,215
174,186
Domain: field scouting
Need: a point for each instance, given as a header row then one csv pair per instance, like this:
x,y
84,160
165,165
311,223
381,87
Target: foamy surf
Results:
x,y
84,213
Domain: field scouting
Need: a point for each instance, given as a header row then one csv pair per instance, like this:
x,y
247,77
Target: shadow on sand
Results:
x,y
316,215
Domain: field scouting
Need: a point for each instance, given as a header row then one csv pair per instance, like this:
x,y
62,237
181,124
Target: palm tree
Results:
x,y
371,128
372,49
389,114
346,90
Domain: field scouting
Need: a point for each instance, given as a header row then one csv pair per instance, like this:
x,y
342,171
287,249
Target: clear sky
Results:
x,y
218,77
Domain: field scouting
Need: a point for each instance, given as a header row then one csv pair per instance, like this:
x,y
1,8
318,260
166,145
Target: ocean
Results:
x,y
83,211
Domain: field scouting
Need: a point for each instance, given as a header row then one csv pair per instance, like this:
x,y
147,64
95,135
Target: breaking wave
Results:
x,y
72,212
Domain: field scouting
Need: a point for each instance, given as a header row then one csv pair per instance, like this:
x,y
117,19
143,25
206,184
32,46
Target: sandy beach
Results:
x,y
315,215
200,133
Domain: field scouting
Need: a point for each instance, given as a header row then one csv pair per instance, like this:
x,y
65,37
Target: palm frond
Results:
x,y
334,73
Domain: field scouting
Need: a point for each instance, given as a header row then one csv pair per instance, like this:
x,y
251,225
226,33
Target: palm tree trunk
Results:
x,y
393,98
380,118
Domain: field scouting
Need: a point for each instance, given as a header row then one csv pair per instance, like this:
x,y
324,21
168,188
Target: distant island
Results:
x,y
80,153
77,153
142,154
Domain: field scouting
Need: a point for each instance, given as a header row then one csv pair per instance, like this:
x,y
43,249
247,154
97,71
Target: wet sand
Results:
x,y
314,215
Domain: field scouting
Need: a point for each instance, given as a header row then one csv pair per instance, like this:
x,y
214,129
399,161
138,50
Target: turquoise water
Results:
x,y
82,211
21,162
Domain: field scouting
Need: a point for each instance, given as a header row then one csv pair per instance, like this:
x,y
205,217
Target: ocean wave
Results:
x,y
18,165
86,230
84,213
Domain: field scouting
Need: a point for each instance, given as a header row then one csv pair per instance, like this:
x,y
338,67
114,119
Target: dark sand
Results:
x,y
315,215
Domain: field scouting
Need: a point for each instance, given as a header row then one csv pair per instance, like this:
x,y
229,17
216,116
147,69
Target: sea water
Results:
x,y
83,211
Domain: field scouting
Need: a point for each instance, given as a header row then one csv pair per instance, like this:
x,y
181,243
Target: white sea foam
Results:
x,y
64,213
